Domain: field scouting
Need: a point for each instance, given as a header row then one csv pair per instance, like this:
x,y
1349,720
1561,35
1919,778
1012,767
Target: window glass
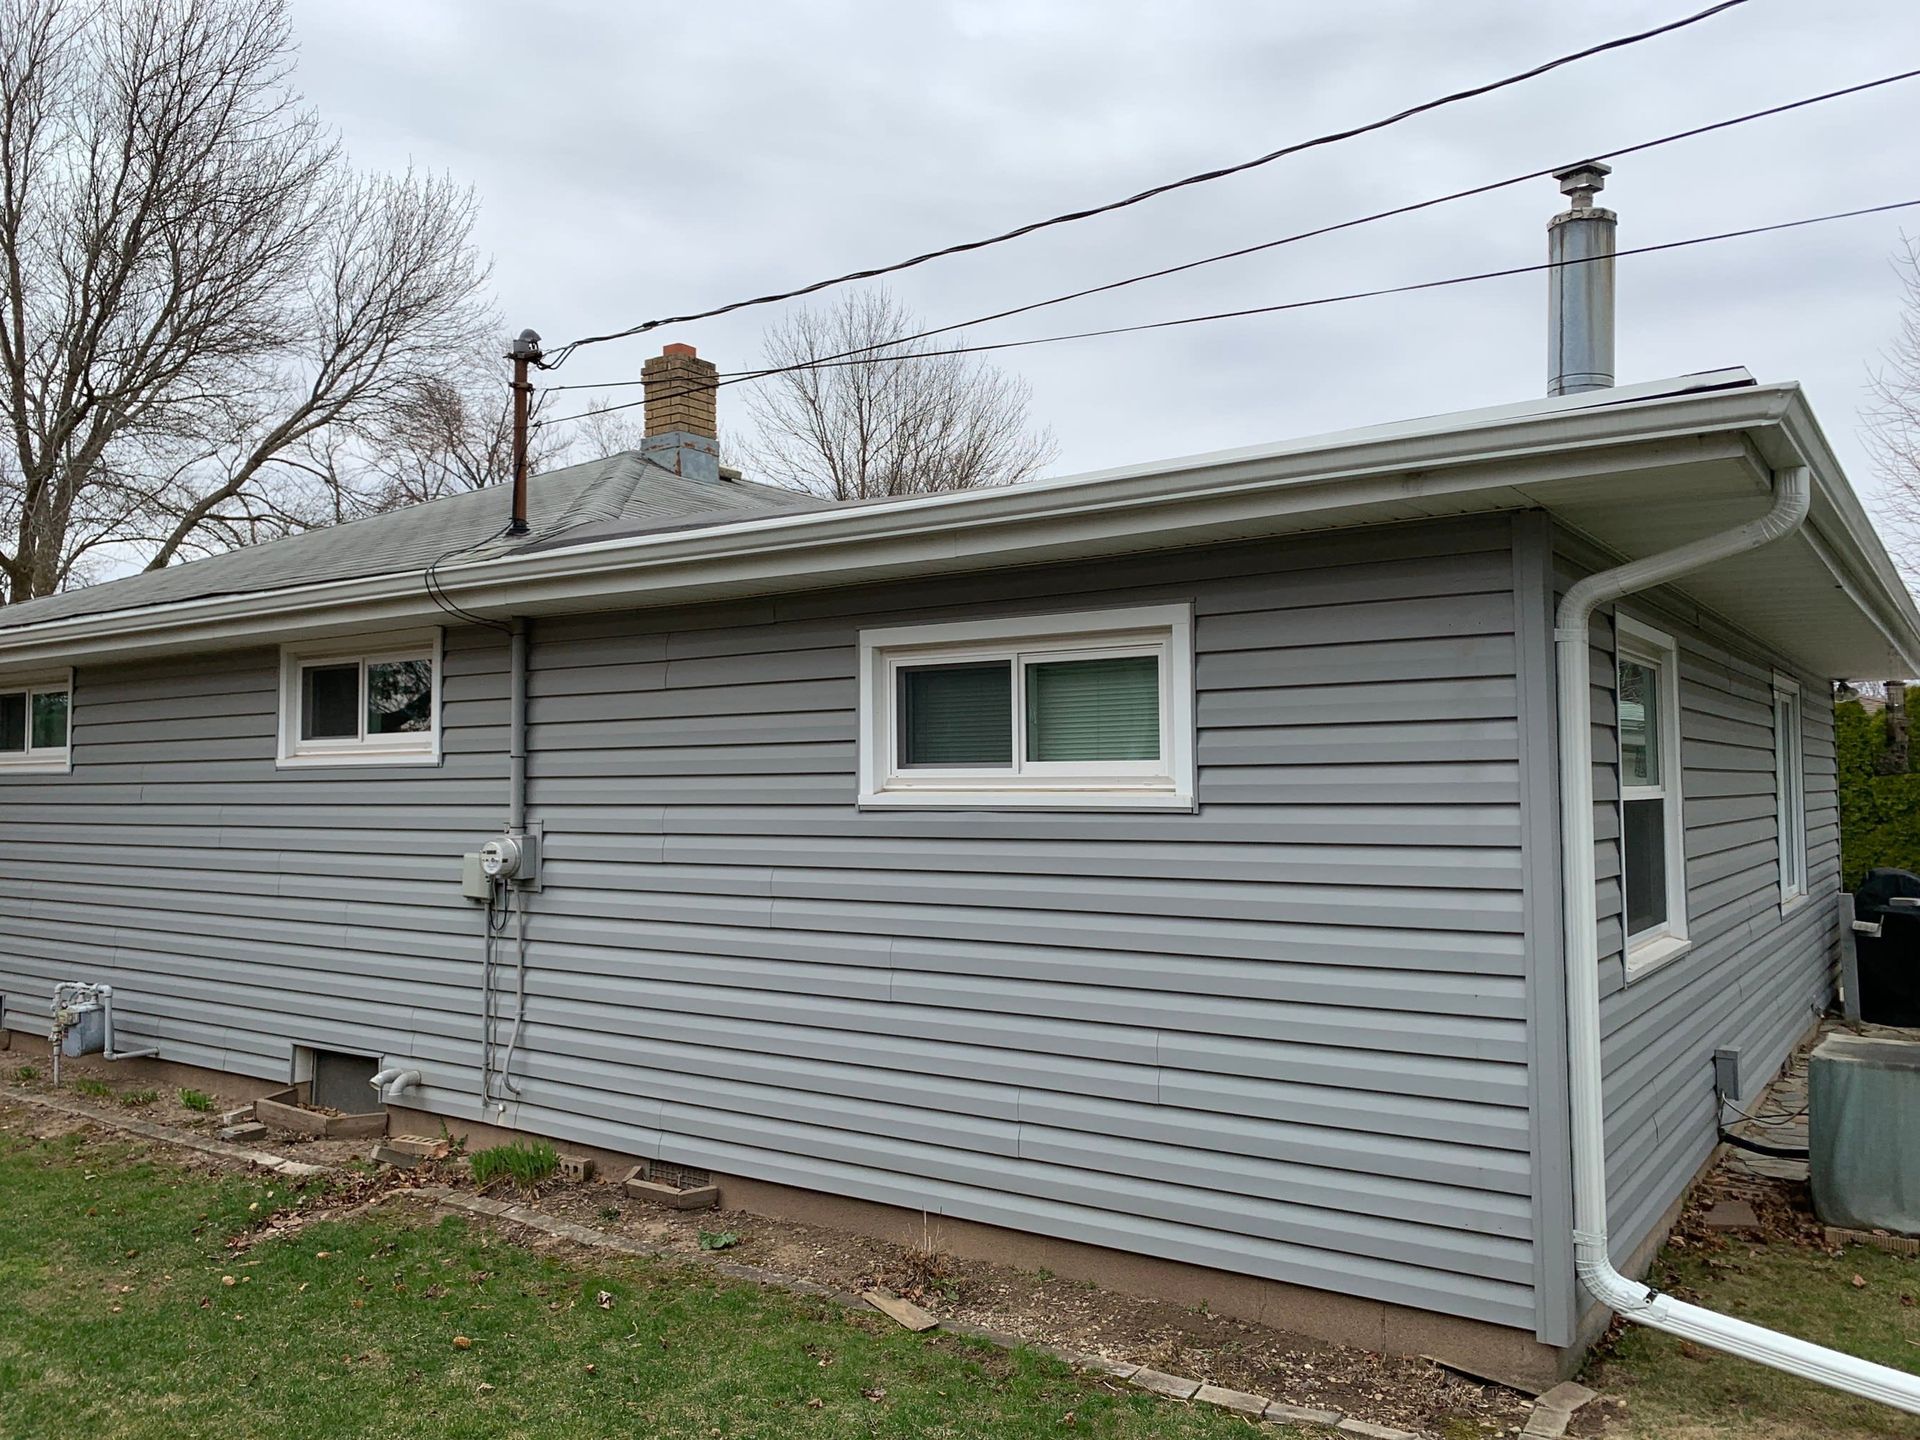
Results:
x,y
1105,709
1645,839
399,696
1639,699
13,722
49,720
1792,799
956,715
330,702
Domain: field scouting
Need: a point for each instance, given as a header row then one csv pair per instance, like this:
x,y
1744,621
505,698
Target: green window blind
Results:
x,y
957,715
1094,709
50,719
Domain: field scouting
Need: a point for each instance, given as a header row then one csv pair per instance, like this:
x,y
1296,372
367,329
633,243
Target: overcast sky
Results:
x,y
637,158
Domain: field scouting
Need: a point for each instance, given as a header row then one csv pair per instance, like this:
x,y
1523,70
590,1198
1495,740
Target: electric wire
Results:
x,y
1283,307
560,357
1318,231
436,591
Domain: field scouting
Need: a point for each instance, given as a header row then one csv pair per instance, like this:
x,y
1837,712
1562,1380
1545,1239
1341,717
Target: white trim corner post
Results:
x,y
1592,1260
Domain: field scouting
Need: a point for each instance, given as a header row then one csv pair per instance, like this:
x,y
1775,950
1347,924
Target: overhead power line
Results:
x,y
731,376
1284,306
1331,138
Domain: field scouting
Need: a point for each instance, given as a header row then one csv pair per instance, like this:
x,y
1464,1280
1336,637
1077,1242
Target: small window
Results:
x,y
35,717
1061,711
1790,789
373,705
1652,858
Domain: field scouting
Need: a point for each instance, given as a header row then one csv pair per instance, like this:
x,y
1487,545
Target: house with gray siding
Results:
x,y
1157,874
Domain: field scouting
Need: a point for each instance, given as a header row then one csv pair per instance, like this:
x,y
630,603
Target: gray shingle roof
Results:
x,y
623,490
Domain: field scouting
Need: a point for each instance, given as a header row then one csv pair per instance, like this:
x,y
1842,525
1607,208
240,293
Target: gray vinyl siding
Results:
x,y
240,909
1753,978
1284,1035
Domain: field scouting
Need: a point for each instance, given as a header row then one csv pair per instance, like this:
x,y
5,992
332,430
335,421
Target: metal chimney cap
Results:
x,y
1583,181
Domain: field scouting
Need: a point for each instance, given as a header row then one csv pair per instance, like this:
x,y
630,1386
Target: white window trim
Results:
x,y
419,748
49,760
1790,764
1165,784
1653,948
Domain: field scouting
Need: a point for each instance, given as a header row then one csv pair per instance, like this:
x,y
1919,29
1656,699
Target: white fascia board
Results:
x,y
1447,465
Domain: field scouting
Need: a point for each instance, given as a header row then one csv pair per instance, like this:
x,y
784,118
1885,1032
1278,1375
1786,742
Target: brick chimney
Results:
x,y
682,434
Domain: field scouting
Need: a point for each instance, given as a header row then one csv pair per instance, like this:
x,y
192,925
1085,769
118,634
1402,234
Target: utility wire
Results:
x,y
1332,137
1251,310
1398,210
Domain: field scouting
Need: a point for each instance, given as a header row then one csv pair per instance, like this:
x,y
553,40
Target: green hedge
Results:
x,y
1879,814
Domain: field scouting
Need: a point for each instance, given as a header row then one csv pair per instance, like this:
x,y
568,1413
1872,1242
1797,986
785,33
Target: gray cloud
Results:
x,y
640,159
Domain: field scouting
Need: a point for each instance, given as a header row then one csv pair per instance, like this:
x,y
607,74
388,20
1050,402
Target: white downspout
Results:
x,y
1634,1301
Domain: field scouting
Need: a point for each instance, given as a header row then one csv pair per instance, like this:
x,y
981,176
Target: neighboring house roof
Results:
x,y
625,490
1628,471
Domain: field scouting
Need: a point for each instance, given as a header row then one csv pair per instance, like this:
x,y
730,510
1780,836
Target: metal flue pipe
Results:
x,y
1580,243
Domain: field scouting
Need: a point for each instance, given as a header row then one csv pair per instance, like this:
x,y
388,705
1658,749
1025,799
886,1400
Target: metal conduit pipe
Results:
x,y
1592,1261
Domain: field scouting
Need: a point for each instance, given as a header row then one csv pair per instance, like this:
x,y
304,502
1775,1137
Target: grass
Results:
x,y
196,1100
524,1162
97,1089
1679,1391
121,1323
139,1099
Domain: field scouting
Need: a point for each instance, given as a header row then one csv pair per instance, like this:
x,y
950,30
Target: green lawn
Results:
x,y
1676,1391
118,1321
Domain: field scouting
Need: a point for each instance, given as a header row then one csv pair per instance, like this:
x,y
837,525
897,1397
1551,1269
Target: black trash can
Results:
x,y
1889,962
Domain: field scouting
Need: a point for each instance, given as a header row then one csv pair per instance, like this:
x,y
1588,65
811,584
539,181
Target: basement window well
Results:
x,y
1079,711
35,720
370,702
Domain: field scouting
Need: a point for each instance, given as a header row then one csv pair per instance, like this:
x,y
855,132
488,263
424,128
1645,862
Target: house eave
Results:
x,y
1516,458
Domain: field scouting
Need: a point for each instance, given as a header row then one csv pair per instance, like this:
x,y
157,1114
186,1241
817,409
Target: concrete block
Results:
x,y
1545,1424
1732,1215
1174,1387
1280,1413
577,1168
699,1197
1237,1400
1350,1426
248,1130
420,1147
1568,1395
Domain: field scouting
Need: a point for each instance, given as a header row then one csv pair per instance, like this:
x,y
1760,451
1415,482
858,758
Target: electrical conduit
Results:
x,y
1593,1263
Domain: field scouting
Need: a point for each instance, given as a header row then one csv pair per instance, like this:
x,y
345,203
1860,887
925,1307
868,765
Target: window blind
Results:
x,y
1105,709
957,715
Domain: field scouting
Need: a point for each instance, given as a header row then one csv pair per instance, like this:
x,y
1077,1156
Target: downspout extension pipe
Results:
x,y
1592,1260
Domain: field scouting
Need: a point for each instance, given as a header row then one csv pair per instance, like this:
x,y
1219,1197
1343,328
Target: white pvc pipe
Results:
x,y
1634,1301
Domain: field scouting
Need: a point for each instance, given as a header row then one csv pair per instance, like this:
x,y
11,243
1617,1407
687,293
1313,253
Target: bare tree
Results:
x,y
200,296
1892,417
903,421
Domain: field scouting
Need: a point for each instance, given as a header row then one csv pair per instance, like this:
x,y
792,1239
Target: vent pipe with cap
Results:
x,y
1580,296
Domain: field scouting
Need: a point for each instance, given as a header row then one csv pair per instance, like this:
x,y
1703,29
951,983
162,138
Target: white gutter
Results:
x,y
1792,491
